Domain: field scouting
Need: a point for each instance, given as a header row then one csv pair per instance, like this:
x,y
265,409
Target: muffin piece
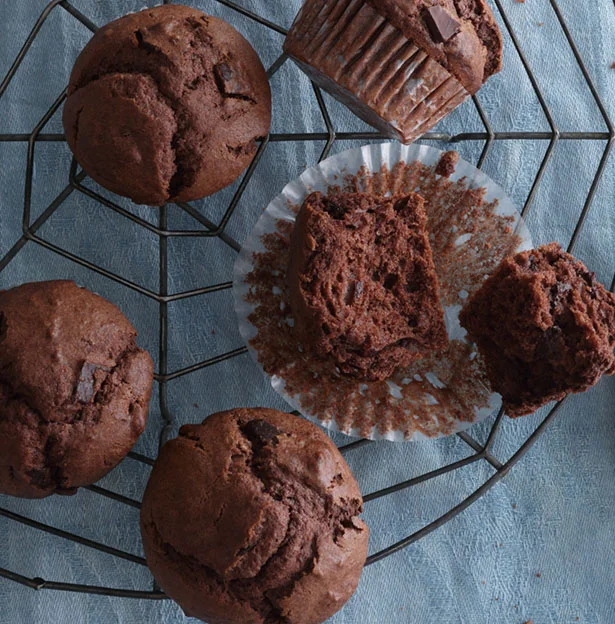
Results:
x,y
166,105
400,65
544,326
363,286
74,388
253,517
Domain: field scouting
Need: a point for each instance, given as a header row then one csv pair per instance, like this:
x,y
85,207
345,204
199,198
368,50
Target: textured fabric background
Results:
x,y
540,545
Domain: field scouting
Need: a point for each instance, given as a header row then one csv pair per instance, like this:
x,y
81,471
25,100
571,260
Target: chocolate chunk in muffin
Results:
x,y
253,516
166,105
442,25
363,286
74,388
544,326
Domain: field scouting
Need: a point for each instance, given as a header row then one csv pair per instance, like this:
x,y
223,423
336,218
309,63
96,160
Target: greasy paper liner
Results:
x,y
354,53
472,227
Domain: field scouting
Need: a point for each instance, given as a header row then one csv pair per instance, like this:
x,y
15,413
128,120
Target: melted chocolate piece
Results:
x,y
87,384
230,83
442,25
260,432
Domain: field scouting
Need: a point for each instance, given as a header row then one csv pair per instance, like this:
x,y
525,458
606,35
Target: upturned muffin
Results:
x,y
362,282
166,105
544,326
400,65
74,388
253,516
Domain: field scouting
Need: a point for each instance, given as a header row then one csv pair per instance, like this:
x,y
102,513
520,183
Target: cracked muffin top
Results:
x,y
74,388
253,517
166,105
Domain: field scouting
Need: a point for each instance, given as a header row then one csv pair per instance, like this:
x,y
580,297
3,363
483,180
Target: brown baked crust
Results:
x,y
362,283
544,326
74,388
166,105
472,55
253,517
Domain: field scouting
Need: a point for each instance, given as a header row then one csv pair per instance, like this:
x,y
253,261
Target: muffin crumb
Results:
x,y
355,259
447,163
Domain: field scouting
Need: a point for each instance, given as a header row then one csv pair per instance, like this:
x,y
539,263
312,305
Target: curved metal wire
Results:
x,y
204,228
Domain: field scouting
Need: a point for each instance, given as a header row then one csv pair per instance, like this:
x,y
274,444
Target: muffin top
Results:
x,y
253,517
166,105
545,327
74,387
462,35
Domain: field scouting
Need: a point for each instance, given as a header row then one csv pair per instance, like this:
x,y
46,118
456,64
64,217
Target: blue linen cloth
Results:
x,y
539,546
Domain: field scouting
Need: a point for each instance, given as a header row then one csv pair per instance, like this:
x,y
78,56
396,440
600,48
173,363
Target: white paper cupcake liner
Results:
x,y
472,226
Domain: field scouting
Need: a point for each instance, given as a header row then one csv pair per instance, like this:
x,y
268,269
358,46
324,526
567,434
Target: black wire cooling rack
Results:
x,y
482,452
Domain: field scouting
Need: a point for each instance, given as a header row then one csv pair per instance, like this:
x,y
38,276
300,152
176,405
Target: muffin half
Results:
x,y
166,105
544,326
362,282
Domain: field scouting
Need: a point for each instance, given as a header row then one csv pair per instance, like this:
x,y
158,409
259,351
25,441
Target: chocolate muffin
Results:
x,y
253,517
362,282
74,388
166,105
544,326
400,65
